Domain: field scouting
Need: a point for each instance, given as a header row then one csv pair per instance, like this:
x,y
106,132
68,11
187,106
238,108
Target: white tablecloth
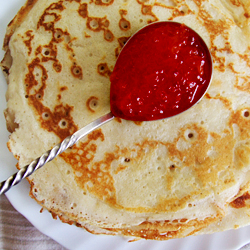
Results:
x,y
17,233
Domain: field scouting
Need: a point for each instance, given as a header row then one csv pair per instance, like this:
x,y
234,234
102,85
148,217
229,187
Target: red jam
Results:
x,y
162,71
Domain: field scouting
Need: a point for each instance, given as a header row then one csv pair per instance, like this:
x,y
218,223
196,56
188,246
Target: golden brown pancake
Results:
x,y
160,180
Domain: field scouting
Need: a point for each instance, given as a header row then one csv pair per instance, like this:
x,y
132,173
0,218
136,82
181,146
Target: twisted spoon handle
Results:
x,y
51,154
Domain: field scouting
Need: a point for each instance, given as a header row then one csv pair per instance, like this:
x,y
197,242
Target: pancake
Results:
x,y
158,180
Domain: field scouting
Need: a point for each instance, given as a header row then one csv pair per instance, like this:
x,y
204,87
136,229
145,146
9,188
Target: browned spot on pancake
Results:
x,y
104,2
86,35
124,24
83,10
92,103
28,41
49,52
190,155
122,41
220,61
57,66
63,88
6,70
172,167
6,64
120,168
76,71
59,35
242,155
224,100
139,123
103,69
15,22
95,175
108,35
178,10
58,121
183,220
118,119
49,26
241,119
30,80
117,51
96,135
96,24
245,57
70,49
170,4
237,3
10,123
243,83
50,120
247,15
215,28
231,67
38,50
240,202
208,96
147,10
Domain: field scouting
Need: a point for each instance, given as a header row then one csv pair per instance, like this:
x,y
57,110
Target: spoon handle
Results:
x,y
51,154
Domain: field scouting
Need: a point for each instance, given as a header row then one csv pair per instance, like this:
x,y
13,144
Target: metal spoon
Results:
x,y
61,147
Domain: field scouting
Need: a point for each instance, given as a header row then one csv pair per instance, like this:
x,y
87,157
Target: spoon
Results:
x,y
164,69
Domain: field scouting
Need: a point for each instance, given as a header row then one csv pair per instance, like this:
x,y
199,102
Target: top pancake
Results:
x,y
156,180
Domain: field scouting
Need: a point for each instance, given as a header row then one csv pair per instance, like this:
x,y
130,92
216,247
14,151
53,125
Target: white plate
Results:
x,y
75,238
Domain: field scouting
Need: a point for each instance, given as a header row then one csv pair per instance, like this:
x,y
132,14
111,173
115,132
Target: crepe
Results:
x,y
160,180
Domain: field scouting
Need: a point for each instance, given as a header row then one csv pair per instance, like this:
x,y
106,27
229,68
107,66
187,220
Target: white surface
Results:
x,y
75,238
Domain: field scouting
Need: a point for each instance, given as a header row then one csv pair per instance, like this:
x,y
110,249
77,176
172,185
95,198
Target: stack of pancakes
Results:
x,y
166,179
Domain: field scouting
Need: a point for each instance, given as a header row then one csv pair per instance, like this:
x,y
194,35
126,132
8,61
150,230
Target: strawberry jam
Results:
x,y
162,71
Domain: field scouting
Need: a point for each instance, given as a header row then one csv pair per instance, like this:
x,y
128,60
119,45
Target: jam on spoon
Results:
x,y
163,70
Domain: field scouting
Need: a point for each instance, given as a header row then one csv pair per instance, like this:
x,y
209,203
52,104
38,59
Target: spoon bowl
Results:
x,y
163,70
